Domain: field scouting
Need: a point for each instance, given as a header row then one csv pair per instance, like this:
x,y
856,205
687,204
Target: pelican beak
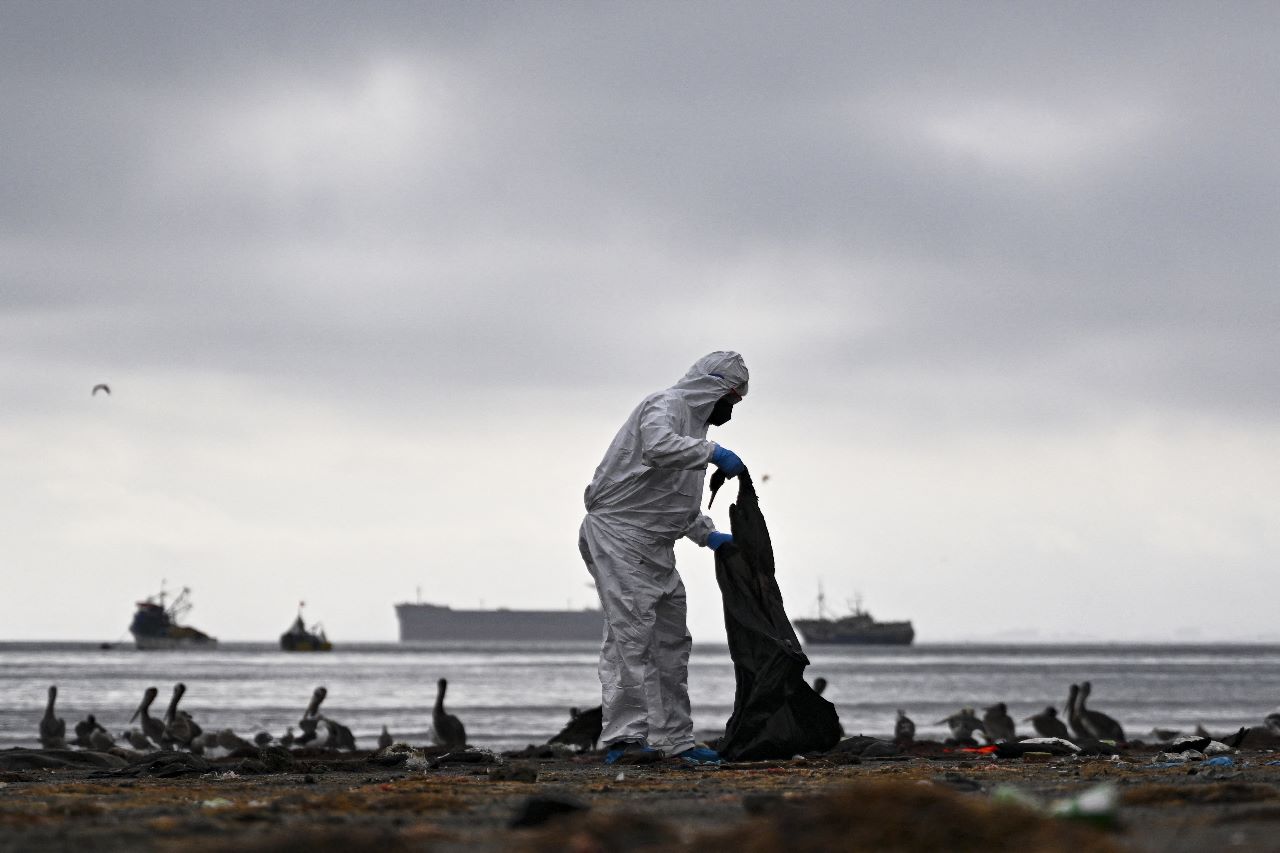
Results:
x,y
1027,719
943,720
135,714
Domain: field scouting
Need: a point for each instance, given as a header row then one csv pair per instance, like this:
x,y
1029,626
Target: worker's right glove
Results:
x,y
715,539
727,461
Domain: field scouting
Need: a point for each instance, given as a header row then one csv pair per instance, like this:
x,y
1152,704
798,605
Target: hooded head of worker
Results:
x,y
714,384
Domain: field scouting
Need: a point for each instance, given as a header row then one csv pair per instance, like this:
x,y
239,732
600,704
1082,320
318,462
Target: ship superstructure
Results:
x,y
156,624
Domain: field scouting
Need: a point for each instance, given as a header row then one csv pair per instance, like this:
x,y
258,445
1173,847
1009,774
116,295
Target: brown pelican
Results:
x,y
583,729
138,740
904,730
963,724
230,741
101,386
53,730
1097,723
179,727
447,730
286,739
151,727
998,725
385,739
1047,724
101,740
1271,721
1073,714
340,737
263,738
819,685
85,729
311,717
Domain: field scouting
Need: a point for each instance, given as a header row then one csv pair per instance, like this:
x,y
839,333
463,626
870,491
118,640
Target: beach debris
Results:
x,y
583,729
539,809
470,755
1219,761
515,772
1051,745
216,803
446,729
1099,805
53,729
621,777
57,759
166,765
1183,744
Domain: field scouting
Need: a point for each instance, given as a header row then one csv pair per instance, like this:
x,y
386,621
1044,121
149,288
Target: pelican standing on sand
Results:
x,y
138,740
1047,724
179,727
151,727
101,740
1073,714
311,717
340,737
53,730
1097,723
904,730
998,725
446,729
819,685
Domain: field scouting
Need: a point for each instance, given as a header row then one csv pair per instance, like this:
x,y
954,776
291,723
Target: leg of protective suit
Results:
x,y
667,678
628,600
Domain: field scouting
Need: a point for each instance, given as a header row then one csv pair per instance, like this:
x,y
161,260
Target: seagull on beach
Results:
x,y
53,730
446,729
1047,724
998,725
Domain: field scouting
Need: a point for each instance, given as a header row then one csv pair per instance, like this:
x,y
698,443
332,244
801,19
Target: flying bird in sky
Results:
x,y
100,387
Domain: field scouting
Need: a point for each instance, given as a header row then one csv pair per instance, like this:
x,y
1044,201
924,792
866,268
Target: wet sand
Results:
x,y
317,801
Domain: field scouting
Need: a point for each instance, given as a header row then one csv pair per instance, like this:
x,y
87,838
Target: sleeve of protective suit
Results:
x,y
701,528
663,447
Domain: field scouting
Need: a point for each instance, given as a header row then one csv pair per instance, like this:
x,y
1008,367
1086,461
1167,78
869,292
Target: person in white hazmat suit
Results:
x,y
644,496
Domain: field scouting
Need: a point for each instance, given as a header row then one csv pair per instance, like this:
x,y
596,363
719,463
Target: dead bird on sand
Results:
x,y
582,730
85,729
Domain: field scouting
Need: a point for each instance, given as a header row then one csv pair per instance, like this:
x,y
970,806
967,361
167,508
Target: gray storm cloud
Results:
x,y
924,218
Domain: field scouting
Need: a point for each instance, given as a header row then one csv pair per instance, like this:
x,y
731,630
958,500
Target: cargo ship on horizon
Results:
x,y
859,628
423,622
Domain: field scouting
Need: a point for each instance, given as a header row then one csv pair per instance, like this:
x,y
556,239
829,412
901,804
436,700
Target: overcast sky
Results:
x,y
374,285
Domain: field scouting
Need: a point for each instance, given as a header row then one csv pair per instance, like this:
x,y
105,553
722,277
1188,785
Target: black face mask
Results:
x,y
723,411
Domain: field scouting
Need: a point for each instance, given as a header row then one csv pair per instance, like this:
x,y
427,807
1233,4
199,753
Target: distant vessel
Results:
x,y
422,622
859,628
155,624
299,639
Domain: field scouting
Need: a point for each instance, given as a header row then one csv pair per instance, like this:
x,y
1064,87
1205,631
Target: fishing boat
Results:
x,y
156,624
299,639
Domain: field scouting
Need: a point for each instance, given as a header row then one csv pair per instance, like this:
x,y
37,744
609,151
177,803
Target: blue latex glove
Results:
x,y
727,461
715,539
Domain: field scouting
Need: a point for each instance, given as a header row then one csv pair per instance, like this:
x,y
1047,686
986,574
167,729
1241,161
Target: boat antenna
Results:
x,y
822,601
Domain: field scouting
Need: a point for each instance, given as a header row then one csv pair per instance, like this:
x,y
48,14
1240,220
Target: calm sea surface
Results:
x,y
509,695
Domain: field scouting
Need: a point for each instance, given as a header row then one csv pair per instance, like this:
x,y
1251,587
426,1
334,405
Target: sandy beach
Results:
x,y
428,800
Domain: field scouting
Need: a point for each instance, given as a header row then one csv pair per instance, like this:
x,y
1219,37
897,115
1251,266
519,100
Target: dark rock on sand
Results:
x,y
513,773
536,811
861,746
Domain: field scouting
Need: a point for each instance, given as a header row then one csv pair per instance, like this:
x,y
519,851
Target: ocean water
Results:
x,y
509,695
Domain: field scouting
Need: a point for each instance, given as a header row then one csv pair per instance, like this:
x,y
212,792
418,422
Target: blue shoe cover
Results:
x,y
700,755
629,752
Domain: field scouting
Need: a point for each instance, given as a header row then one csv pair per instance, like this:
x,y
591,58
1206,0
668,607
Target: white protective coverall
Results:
x,y
646,494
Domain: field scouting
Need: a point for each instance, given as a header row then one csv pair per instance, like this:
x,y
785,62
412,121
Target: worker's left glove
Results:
x,y
727,461
715,539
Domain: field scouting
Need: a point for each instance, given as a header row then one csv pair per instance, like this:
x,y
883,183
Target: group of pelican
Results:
x,y
997,726
177,729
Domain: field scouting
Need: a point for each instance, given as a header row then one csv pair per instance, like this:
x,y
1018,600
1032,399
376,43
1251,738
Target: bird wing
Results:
x,y
100,387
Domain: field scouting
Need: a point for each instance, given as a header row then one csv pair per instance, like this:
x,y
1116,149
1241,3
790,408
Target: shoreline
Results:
x,y
275,799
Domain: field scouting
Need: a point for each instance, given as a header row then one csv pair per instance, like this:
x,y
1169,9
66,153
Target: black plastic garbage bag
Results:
x,y
776,714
